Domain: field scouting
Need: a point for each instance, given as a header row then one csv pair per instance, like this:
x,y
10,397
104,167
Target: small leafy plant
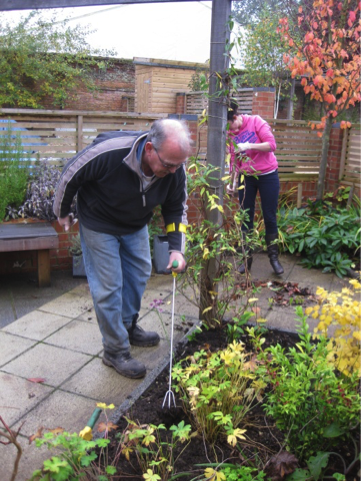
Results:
x,y
75,248
76,456
154,453
227,471
218,390
310,403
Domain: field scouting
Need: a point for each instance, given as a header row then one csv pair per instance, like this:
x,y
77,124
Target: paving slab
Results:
x,y
31,459
89,316
262,269
12,346
100,383
162,324
71,305
8,310
45,361
37,325
19,293
78,336
61,409
18,396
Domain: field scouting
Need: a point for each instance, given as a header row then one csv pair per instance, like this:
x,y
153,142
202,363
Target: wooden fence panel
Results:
x,y
298,149
350,169
196,102
55,136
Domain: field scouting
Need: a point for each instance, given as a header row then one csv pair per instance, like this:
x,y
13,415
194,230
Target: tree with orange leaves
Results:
x,y
328,61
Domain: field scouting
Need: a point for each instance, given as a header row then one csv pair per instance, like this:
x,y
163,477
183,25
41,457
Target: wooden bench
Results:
x,y
40,237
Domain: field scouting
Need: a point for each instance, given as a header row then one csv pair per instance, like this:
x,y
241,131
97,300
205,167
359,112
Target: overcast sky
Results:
x,y
171,31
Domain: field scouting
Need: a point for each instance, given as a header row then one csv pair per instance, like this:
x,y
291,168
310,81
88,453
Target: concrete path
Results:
x,y
52,333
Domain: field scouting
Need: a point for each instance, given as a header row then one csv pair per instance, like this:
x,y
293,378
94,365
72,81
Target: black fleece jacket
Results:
x,y
111,198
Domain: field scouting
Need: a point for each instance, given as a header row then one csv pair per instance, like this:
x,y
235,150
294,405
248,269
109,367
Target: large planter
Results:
x,y
78,267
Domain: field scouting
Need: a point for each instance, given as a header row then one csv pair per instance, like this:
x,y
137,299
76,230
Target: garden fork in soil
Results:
x,y
169,396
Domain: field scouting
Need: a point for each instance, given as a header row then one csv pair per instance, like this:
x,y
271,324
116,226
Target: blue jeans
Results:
x,y
269,188
117,268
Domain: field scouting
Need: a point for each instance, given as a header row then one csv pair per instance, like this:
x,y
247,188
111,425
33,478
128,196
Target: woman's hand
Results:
x,y
230,189
245,146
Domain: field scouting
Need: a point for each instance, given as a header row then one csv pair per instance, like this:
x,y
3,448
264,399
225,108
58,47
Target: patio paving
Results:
x,y
51,333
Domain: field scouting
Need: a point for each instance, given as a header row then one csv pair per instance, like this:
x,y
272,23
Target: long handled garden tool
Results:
x,y
87,432
169,396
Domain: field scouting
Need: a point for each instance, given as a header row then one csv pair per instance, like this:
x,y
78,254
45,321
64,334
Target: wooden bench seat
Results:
x,y
40,237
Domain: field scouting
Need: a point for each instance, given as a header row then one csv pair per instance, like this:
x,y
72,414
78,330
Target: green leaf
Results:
x,y
333,430
110,469
299,474
87,459
317,463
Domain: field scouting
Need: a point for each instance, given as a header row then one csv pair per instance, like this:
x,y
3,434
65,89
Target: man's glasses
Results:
x,y
168,166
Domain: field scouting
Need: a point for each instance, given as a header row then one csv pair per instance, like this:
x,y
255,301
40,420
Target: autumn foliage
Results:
x,y
328,54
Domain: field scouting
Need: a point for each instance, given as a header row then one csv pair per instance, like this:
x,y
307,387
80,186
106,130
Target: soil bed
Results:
x,y
263,439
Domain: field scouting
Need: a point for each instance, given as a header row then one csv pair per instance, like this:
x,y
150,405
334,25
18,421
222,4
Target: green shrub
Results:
x,y
311,402
327,236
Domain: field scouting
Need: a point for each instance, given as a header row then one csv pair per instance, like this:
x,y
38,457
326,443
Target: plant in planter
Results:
x,y
78,261
14,173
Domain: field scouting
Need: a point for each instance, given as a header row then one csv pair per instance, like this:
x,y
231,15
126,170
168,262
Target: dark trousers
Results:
x,y
269,188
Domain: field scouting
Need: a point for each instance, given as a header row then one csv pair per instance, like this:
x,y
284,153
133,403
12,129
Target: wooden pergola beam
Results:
x,y
35,4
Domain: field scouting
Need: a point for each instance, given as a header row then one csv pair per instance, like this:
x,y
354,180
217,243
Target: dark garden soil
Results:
x,y
264,447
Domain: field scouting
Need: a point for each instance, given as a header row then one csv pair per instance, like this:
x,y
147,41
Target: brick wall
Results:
x,y
263,102
115,84
180,103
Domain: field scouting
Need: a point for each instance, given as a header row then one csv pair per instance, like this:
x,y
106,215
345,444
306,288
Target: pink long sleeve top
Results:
x,y
254,130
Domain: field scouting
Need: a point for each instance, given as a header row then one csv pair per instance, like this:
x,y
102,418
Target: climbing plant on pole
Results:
x,y
328,61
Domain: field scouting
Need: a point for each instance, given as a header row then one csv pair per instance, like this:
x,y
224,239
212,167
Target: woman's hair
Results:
x,y
232,110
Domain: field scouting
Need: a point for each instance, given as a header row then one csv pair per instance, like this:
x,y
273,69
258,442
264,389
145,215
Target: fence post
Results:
x,y
80,133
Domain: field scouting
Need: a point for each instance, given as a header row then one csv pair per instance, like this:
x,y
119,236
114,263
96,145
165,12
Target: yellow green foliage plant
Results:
x,y
315,405
340,312
75,456
218,390
214,247
153,450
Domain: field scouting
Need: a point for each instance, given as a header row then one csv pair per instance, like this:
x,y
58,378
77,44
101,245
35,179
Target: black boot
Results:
x,y
124,364
272,250
242,268
248,253
139,337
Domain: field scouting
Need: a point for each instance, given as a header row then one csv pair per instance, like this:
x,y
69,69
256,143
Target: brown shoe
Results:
x,y
124,364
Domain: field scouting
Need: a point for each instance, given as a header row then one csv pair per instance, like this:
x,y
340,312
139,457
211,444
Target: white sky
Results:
x,y
171,31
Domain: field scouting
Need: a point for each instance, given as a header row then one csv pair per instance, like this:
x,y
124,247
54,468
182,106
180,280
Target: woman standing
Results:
x,y
254,158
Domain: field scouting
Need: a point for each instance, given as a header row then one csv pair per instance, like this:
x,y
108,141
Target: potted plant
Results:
x,y
77,254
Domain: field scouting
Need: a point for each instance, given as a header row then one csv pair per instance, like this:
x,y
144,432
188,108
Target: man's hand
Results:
x,y
177,256
67,222
244,146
